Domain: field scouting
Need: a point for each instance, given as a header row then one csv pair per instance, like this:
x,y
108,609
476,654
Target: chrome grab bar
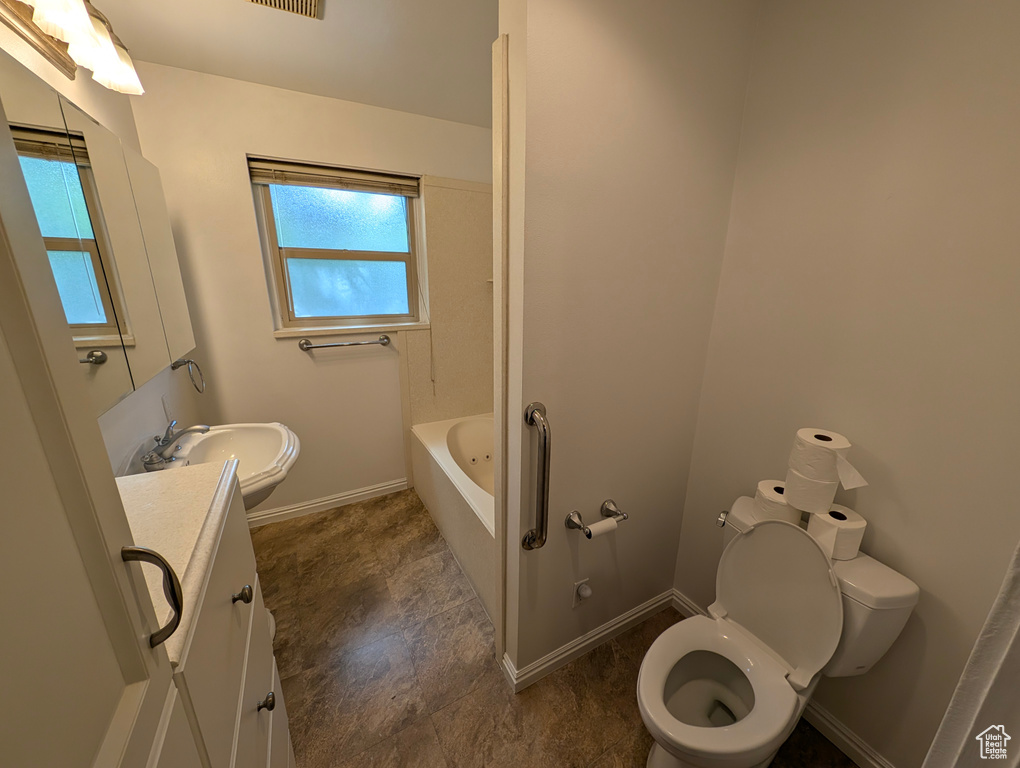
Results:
x,y
306,344
171,588
534,415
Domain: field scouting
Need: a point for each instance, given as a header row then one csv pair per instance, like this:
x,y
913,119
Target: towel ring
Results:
x,y
192,367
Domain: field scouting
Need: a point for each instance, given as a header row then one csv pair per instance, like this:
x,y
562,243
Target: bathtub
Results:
x,y
452,465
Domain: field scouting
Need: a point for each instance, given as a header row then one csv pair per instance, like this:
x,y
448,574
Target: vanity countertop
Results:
x,y
178,514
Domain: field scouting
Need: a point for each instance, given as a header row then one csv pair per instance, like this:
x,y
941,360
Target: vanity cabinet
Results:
x,y
224,672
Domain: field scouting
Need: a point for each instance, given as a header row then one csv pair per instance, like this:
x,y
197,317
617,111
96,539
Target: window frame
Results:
x,y
45,144
278,275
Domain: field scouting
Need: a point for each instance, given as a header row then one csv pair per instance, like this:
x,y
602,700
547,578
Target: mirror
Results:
x,y
63,195
141,326
103,217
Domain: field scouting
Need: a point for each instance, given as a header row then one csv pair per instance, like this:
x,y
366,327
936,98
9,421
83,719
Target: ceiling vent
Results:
x,y
309,8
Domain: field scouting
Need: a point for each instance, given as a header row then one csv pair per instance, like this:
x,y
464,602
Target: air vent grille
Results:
x,y
309,8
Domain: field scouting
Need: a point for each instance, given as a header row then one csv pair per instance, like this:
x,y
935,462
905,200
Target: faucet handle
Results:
x,y
153,461
168,435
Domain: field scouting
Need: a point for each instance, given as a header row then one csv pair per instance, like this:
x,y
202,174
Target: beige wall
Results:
x,y
869,286
628,130
450,365
345,405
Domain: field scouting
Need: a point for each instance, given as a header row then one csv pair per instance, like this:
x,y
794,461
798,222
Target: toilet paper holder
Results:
x,y
608,509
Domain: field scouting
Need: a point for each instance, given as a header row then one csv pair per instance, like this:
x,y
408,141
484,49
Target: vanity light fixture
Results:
x,y
66,20
50,25
106,56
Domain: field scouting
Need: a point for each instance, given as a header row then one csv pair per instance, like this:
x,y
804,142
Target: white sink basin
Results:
x,y
265,453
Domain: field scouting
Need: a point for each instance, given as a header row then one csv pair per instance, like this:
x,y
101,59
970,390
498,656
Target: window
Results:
x,y
341,244
62,191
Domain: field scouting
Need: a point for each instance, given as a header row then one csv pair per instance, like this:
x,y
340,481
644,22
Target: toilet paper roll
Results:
x,y
809,495
602,527
770,503
819,454
839,530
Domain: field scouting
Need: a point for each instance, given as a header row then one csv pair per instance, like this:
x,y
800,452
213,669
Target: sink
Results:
x,y
265,452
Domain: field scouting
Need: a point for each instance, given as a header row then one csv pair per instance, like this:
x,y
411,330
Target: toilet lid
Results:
x,y
777,583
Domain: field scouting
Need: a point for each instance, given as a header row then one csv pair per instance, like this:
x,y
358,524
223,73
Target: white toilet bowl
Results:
x,y
712,698
726,690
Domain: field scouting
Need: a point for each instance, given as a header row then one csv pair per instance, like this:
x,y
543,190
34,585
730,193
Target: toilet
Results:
x,y
727,689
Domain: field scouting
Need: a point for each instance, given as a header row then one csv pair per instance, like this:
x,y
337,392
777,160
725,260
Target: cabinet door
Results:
x,y
177,749
212,668
81,686
279,737
162,254
253,723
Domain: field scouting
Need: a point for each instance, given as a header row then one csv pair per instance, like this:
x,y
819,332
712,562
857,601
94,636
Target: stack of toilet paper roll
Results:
x,y
818,466
770,502
839,531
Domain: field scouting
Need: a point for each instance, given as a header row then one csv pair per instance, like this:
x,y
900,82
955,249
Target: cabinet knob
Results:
x,y
268,703
245,595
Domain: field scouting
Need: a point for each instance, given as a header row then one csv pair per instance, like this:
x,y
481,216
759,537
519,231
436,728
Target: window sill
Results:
x,y
347,330
89,342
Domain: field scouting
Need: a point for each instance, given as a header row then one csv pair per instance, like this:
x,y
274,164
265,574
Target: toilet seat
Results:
x,y
775,701
776,582
777,618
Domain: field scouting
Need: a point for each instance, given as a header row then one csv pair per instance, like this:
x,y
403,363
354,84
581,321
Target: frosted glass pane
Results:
x,y
324,288
57,198
338,219
77,286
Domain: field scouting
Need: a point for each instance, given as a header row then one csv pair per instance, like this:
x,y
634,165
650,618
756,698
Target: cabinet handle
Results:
x,y
245,595
171,588
269,703
94,357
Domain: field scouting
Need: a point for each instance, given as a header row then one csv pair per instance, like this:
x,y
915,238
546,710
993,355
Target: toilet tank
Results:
x,y
877,601
739,518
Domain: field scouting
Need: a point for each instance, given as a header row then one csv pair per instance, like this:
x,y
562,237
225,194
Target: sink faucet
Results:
x,y
167,445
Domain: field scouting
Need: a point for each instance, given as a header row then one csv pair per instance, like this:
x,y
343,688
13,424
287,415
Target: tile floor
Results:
x,y
386,658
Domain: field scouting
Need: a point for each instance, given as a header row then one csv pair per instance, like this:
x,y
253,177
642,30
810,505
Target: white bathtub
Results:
x,y
452,463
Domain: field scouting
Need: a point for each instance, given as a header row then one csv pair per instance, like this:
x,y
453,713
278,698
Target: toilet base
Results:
x,y
660,758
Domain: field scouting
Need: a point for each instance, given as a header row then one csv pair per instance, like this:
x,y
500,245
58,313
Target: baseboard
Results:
x,y
262,517
520,679
848,742
686,606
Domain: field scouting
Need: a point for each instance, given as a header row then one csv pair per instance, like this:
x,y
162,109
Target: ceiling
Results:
x,y
428,57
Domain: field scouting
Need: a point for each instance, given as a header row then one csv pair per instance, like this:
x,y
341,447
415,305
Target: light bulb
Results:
x,y
89,54
66,20
108,59
128,81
